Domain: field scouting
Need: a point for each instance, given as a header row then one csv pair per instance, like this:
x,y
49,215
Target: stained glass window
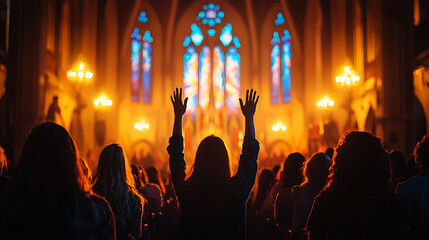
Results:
x,y
286,72
205,69
214,67
232,78
147,71
197,36
190,77
226,36
275,73
135,63
280,64
218,77
280,19
142,17
211,15
141,62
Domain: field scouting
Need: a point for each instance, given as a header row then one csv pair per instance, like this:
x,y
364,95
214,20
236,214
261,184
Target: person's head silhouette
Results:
x,y
50,162
360,164
421,153
291,174
113,171
211,160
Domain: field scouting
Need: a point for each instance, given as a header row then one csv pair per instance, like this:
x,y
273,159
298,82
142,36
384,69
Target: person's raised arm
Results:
x,y
242,182
179,110
248,109
175,147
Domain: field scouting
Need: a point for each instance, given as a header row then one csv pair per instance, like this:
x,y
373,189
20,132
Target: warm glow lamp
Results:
x,y
279,126
325,103
141,125
348,77
102,101
80,73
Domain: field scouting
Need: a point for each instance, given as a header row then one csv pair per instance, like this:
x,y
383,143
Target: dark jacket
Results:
x,y
213,213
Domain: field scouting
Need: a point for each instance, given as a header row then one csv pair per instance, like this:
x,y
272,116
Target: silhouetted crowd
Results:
x,y
356,191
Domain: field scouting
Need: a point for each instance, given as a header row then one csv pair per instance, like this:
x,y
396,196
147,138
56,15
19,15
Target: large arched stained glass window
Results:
x,y
211,63
280,63
141,61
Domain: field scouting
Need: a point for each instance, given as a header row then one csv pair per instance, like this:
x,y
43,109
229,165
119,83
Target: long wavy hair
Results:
x,y
211,164
262,189
316,171
360,170
114,181
50,164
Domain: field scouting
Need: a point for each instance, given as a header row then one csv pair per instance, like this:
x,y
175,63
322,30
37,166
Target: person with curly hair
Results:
x,y
357,201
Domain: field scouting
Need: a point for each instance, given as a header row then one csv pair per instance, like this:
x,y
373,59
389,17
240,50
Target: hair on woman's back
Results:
x,y
211,161
115,182
50,163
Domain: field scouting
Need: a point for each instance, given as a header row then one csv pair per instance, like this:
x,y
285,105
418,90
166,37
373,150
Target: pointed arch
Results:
x,y
219,37
188,17
144,18
280,42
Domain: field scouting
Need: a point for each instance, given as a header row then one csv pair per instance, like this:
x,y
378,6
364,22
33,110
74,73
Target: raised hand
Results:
x,y
179,107
248,109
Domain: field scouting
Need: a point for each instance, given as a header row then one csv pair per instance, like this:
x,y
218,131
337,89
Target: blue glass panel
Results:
x,y
196,35
232,83
236,42
187,41
147,37
226,35
280,19
142,17
147,71
275,74
211,32
136,34
190,78
135,62
201,15
286,36
276,38
218,77
205,79
211,15
286,64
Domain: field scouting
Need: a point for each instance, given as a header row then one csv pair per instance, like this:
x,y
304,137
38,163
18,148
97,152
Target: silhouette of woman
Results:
x,y
115,182
357,201
315,171
51,197
212,202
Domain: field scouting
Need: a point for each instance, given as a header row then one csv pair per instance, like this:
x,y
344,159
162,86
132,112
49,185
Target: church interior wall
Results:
x,y
99,32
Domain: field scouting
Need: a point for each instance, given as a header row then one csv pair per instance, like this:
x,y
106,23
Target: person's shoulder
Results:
x,y
321,199
296,189
100,205
284,193
412,182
